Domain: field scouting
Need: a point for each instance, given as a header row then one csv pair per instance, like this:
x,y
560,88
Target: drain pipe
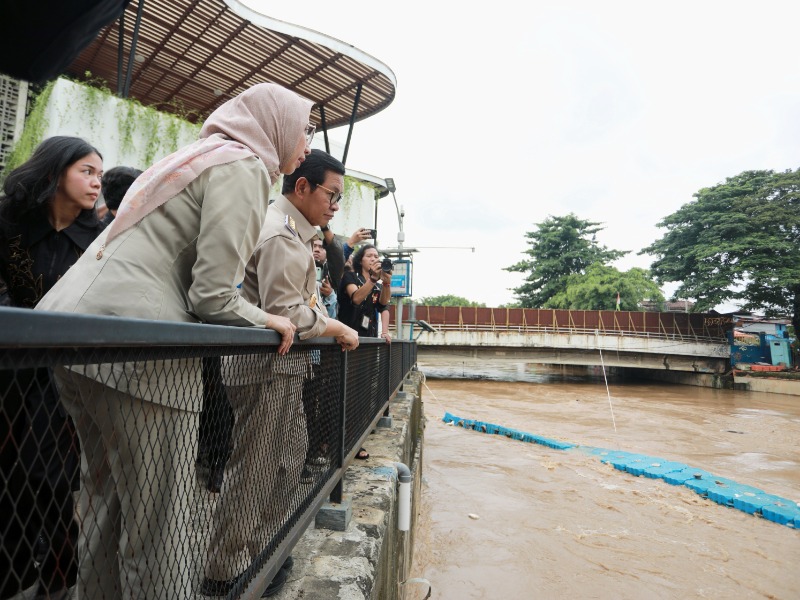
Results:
x,y
403,497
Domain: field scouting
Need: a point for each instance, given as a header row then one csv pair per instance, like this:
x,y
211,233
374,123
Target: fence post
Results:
x,y
337,491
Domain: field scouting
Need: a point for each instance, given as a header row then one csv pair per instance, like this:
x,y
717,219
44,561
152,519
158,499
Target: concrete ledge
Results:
x,y
766,384
370,557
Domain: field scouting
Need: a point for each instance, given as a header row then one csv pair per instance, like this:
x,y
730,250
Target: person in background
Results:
x,y
338,254
269,437
47,220
175,252
365,292
116,182
358,236
324,288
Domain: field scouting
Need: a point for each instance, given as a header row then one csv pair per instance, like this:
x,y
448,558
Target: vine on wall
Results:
x,y
141,131
35,126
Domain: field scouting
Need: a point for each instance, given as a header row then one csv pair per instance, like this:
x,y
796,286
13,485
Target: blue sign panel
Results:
x,y
401,278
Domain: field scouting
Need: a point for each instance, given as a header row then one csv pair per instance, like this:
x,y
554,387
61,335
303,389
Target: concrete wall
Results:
x,y
711,380
371,557
766,384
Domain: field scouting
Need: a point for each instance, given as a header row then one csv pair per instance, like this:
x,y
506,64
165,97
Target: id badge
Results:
x,y
365,322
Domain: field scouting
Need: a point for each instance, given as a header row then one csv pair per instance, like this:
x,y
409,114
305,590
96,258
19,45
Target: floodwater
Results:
x,y
505,519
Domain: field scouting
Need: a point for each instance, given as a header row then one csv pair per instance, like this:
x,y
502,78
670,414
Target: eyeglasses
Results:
x,y
335,198
310,129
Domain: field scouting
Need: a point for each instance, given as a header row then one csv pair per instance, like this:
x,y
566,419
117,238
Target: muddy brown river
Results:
x,y
505,519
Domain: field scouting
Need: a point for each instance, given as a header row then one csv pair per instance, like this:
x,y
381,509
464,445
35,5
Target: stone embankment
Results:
x,y
370,558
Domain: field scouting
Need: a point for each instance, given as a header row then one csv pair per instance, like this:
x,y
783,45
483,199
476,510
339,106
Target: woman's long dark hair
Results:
x,y
29,187
359,256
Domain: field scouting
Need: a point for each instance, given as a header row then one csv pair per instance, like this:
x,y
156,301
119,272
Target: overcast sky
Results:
x,y
615,111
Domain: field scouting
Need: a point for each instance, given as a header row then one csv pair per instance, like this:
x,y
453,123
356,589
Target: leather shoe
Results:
x,y
216,587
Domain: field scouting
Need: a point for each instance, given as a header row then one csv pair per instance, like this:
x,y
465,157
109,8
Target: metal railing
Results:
x,y
684,326
203,454
542,329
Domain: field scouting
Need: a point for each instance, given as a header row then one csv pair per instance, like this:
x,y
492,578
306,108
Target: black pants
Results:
x,y
40,465
216,418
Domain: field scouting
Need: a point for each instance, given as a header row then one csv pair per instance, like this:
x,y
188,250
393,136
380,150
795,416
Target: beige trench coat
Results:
x,y
182,262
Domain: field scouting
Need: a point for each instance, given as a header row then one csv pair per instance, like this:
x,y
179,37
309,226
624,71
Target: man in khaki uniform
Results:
x,y
269,437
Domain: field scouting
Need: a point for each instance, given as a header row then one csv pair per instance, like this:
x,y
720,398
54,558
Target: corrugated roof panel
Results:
x,y
192,50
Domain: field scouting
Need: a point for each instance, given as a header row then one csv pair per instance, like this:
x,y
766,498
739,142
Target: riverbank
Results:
x,y
772,383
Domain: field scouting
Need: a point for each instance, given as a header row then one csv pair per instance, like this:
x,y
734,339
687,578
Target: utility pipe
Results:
x,y
403,497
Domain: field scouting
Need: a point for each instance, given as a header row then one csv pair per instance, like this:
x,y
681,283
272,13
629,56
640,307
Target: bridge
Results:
x,y
689,342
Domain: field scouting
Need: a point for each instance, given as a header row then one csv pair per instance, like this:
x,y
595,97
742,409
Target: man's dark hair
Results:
x,y
116,182
314,168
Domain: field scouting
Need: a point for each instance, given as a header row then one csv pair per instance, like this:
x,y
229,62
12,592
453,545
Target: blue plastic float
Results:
x,y
719,489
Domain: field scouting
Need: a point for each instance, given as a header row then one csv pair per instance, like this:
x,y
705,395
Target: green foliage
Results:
x,y
737,240
448,300
597,289
160,131
559,247
35,126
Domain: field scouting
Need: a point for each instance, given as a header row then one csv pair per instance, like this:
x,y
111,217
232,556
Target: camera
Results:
x,y
373,233
386,265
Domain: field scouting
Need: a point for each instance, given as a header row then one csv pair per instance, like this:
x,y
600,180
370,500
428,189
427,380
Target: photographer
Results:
x,y
365,293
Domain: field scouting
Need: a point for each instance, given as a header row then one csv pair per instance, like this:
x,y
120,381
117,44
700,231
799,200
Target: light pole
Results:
x,y
401,236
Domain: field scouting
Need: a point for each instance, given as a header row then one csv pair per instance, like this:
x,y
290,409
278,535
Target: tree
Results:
x,y
737,240
597,289
448,300
560,247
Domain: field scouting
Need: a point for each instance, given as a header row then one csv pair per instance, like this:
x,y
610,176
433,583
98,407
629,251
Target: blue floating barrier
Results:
x,y
722,494
752,503
785,514
718,489
701,486
657,470
682,476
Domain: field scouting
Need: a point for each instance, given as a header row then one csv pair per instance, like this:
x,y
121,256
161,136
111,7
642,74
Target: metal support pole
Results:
x,y
338,490
120,52
352,122
132,55
324,125
399,312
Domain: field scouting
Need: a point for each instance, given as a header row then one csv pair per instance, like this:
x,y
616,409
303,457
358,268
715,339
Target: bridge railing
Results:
x,y
205,455
684,326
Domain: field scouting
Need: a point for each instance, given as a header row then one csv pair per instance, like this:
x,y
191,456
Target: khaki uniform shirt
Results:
x,y
281,277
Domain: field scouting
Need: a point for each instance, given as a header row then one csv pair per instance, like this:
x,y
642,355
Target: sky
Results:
x,y
509,112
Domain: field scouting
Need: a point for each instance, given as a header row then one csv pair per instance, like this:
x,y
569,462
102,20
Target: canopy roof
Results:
x,y
190,56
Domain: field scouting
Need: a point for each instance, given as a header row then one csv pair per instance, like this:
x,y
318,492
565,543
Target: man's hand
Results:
x,y
387,336
359,235
348,340
325,287
284,327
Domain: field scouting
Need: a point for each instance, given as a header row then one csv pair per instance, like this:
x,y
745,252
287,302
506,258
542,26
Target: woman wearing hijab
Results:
x,y
175,252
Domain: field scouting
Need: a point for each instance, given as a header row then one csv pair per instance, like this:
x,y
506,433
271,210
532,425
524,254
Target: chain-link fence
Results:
x,y
148,459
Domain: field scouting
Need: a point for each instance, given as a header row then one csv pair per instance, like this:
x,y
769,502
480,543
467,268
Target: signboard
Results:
x,y
401,278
